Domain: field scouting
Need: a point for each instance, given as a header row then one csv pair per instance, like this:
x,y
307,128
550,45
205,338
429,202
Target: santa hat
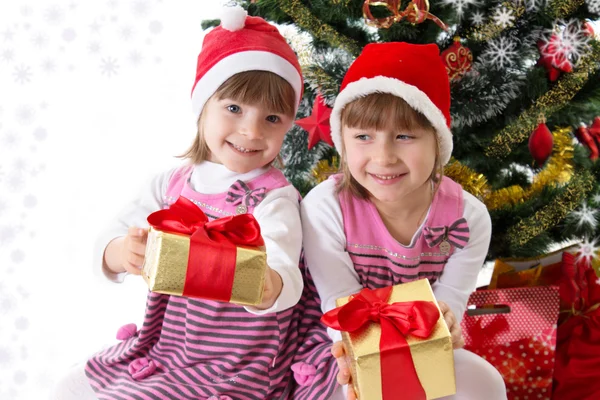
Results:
x,y
412,72
242,43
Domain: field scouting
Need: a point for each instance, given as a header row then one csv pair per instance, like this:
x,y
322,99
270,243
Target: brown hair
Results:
x,y
381,111
263,88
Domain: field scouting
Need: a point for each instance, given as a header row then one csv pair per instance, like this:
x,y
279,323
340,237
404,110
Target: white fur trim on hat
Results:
x,y
409,93
241,62
233,18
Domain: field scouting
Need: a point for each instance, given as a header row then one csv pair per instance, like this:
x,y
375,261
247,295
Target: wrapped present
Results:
x,y
542,270
186,255
397,341
515,330
577,368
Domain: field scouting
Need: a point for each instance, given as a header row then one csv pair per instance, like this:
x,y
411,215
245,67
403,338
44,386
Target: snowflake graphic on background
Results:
x,y
568,40
135,58
7,55
39,40
503,17
593,6
54,15
22,74
500,52
109,66
460,6
94,47
588,250
48,65
25,114
477,18
8,35
140,8
585,217
596,199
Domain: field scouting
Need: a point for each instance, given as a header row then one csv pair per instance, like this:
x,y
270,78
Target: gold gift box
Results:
x,y
166,260
433,357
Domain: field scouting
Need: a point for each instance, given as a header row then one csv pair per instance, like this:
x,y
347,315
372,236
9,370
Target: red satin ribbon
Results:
x,y
213,246
397,320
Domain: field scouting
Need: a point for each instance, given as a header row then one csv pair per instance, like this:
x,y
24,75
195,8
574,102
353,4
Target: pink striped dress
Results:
x,y
381,261
202,349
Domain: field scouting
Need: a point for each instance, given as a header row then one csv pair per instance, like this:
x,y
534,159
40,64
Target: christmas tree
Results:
x,y
525,84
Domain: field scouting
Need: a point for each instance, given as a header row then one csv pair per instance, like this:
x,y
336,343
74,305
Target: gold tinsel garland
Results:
x,y
558,171
306,20
553,100
574,193
492,29
563,8
324,169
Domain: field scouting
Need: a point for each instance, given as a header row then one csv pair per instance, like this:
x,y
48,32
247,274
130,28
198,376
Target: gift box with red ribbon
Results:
x,y
188,255
397,342
515,330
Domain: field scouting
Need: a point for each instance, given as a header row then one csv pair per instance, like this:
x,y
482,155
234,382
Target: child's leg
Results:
x,y
74,386
476,379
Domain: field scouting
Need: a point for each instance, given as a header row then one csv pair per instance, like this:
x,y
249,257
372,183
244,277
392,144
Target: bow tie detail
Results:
x,y
240,193
456,234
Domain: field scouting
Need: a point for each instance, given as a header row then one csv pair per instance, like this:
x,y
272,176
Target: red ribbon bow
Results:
x,y
397,320
213,246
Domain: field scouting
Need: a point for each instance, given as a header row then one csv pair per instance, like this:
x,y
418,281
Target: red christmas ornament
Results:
x,y
584,136
588,30
317,124
552,59
595,129
541,142
458,59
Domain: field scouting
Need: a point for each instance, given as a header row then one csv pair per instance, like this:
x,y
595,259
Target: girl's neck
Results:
x,y
403,218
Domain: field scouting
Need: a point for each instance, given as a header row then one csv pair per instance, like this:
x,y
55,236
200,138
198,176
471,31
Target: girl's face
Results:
x,y
243,137
391,165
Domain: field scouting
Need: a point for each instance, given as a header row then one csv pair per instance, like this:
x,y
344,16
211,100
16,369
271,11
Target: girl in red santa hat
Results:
x,y
247,89
391,216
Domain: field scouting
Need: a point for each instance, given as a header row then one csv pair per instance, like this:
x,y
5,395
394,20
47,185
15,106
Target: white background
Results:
x,y
94,99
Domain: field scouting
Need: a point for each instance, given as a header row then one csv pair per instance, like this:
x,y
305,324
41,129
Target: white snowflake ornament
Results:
x,y
593,6
588,251
503,17
586,216
233,18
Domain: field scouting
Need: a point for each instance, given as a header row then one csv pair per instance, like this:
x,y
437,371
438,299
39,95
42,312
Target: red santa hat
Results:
x,y
242,43
412,72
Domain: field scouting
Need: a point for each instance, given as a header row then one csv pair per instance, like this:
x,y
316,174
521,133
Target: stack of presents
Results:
x,y
538,321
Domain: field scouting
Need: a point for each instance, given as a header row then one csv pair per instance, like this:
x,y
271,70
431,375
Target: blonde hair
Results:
x,y
381,111
262,88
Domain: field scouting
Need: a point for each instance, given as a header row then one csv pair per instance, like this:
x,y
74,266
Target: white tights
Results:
x,y
74,386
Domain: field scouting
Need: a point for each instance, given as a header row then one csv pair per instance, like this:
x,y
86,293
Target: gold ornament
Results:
x,y
416,11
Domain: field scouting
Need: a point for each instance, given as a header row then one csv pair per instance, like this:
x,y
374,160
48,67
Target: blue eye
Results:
x,y
234,108
273,118
362,137
404,137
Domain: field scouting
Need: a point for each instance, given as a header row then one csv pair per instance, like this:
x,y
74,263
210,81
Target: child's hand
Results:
x,y
455,329
271,290
134,250
343,377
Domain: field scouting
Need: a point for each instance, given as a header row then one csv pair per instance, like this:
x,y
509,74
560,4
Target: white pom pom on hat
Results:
x,y
233,18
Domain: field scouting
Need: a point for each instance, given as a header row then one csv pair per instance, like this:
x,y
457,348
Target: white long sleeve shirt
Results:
x,y
333,271
278,217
